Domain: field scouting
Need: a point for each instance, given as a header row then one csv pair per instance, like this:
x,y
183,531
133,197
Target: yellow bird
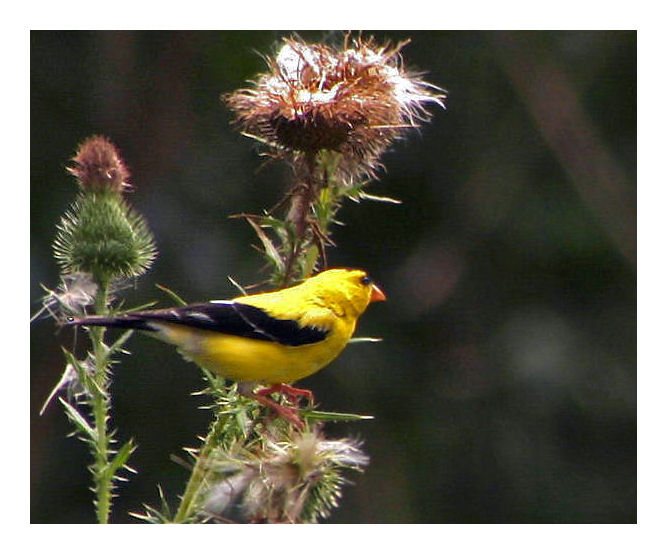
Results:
x,y
274,337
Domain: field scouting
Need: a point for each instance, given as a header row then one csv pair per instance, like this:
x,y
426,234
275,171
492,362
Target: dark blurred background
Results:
x,y
505,388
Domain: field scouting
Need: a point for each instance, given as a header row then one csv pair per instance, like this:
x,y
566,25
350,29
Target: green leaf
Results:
x,y
310,260
89,384
316,415
269,248
138,308
116,346
172,294
79,421
237,285
166,510
82,374
365,196
364,339
153,515
121,457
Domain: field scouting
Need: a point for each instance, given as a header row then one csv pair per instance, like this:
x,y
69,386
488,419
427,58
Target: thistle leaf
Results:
x,y
317,415
357,340
121,457
117,345
237,285
365,196
175,297
79,421
269,248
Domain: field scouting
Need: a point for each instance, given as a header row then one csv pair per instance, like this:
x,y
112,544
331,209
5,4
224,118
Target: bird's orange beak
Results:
x,y
377,295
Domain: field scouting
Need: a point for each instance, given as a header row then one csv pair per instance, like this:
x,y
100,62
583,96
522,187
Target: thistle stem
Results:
x,y
100,408
302,200
197,480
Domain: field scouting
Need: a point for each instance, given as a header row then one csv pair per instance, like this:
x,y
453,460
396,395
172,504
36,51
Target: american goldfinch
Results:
x,y
274,338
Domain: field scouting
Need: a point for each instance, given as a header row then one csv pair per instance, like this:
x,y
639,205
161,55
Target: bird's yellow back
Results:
x,y
345,293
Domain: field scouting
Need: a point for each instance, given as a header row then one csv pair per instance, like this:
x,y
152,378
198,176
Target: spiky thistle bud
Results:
x,y
101,234
355,101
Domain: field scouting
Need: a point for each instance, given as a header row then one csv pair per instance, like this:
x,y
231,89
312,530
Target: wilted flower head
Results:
x,y
298,479
355,101
98,166
76,291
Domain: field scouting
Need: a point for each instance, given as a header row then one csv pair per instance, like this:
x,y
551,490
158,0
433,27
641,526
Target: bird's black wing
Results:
x,y
231,318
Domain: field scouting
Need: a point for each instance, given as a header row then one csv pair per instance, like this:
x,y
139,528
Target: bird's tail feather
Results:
x,y
119,322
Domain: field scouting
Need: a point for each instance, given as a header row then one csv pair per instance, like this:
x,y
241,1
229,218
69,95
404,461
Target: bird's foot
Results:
x,y
288,413
293,395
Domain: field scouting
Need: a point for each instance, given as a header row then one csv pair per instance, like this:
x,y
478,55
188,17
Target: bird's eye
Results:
x,y
366,280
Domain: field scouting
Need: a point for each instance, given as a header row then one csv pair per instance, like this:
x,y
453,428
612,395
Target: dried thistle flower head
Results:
x,y
355,101
296,479
98,166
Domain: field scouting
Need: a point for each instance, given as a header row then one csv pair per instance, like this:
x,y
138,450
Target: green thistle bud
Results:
x,y
101,234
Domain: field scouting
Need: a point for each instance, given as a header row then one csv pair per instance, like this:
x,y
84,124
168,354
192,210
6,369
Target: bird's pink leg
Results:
x,y
290,413
292,393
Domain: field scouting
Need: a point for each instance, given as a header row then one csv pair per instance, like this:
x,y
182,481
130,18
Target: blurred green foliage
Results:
x,y
505,388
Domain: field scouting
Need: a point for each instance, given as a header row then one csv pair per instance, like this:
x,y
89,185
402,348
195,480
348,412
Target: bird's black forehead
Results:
x,y
363,274
350,269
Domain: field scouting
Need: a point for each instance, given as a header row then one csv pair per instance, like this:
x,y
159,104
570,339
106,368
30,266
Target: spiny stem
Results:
x,y
302,199
100,405
200,471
